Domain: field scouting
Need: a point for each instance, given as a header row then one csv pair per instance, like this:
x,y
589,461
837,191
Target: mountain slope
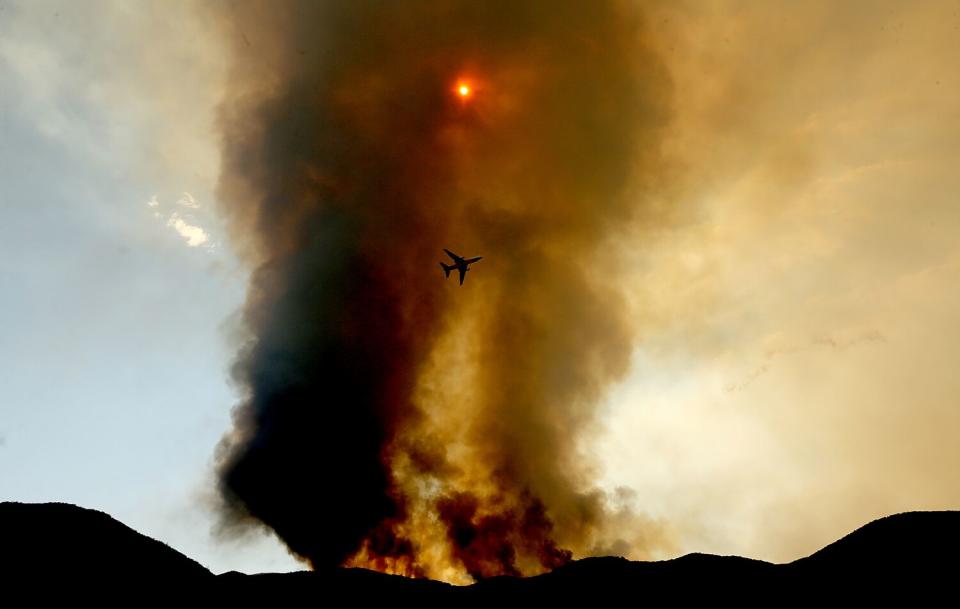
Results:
x,y
63,541
914,553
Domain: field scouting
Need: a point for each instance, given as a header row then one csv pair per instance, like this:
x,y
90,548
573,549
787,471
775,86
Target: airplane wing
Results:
x,y
463,273
472,260
456,258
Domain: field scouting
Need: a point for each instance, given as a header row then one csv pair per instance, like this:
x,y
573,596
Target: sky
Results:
x,y
118,288
794,307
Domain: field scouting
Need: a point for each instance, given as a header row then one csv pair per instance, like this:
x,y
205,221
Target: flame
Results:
x,y
458,523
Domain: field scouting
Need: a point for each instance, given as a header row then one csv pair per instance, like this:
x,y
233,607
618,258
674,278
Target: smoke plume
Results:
x,y
394,419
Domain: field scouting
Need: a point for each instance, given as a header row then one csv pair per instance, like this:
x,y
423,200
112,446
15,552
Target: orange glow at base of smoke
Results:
x,y
366,559
437,467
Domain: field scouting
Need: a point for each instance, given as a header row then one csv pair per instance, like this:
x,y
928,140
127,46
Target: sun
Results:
x,y
463,89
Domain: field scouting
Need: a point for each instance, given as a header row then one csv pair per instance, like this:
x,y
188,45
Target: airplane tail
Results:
x,y
446,269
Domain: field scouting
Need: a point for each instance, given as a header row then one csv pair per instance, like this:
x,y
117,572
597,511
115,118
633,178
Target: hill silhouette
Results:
x,y
57,548
60,540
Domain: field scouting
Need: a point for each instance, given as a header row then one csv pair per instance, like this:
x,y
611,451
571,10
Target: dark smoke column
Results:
x,y
349,160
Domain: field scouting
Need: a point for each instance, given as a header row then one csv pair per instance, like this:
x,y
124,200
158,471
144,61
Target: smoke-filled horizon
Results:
x,y
396,420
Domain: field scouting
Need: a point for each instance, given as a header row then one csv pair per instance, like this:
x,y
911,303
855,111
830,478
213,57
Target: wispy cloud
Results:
x,y
187,200
194,235
185,224
153,204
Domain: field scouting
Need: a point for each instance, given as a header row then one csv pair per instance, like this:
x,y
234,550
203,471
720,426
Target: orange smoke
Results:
x,y
394,420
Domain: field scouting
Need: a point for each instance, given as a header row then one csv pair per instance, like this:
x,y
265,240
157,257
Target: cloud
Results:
x,y
184,224
462,416
102,78
825,187
194,235
187,200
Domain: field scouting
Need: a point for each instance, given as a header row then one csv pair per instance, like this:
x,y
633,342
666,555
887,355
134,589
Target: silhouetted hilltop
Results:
x,y
914,554
60,541
321,586
918,544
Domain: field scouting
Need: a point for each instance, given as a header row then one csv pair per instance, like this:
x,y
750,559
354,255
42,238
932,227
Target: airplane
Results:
x,y
458,263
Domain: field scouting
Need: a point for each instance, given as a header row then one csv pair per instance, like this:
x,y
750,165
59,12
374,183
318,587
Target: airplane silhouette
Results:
x,y
458,263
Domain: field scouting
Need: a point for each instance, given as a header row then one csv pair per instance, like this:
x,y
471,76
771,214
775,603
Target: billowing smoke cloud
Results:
x,y
394,419
796,373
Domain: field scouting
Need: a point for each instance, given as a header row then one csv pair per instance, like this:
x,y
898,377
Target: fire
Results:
x,y
389,422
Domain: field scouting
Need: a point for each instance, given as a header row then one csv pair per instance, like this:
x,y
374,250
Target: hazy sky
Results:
x,y
115,284
798,308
